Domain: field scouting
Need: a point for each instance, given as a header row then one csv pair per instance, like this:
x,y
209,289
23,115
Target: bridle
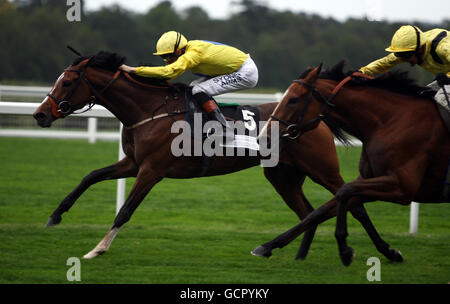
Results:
x,y
294,130
63,107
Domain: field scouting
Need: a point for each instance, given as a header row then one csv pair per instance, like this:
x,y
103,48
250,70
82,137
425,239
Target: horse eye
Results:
x,y
293,100
67,83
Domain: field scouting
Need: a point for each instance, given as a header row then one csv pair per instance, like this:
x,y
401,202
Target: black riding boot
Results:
x,y
213,111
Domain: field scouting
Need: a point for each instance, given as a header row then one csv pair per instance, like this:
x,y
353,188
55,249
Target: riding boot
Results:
x,y
213,111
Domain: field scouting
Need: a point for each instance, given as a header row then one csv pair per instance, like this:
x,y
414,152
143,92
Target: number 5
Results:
x,y
250,123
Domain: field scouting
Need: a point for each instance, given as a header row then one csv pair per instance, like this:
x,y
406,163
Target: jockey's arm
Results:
x,y
169,71
443,51
381,65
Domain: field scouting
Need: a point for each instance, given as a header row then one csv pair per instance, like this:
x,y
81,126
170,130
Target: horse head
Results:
x,y
70,92
296,112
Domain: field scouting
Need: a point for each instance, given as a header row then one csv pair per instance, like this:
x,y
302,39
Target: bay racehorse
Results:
x,y
147,112
406,146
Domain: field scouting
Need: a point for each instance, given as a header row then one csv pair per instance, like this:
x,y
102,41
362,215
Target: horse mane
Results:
x,y
394,81
111,62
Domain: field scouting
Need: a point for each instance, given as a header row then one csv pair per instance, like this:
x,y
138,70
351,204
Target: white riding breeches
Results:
x,y
440,95
244,78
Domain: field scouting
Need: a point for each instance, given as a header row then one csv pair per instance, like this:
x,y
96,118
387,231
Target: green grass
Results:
x,y
190,231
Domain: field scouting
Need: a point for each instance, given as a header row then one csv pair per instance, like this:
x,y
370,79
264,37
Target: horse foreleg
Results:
x,y
360,213
122,169
145,181
288,182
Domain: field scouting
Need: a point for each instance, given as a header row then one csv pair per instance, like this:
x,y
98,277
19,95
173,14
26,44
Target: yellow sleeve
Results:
x,y
443,51
381,65
169,71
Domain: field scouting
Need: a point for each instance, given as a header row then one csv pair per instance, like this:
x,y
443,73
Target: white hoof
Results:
x,y
103,246
94,253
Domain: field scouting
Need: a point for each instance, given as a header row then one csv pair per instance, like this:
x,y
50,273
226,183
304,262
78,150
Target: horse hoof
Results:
x,y
396,256
300,257
261,251
347,256
93,254
90,255
53,221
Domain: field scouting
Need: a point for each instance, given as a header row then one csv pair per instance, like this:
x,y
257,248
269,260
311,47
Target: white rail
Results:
x,y
241,98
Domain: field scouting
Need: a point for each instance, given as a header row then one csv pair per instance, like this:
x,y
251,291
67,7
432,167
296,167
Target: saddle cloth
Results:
x,y
243,119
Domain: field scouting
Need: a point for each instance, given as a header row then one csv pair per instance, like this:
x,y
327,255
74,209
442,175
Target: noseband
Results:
x,y
63,107
294,130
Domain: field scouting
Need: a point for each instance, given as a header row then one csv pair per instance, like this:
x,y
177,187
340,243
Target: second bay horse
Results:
x,y
406,146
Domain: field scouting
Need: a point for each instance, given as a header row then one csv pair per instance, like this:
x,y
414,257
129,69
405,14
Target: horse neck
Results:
x,y
128,103
360,110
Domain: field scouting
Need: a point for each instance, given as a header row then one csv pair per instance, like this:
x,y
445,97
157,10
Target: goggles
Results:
x,y
405,55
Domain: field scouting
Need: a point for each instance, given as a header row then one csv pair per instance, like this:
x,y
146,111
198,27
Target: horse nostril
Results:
x,y
40,116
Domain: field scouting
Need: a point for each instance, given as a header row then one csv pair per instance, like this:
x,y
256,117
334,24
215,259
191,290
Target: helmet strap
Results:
x,y
418,38
419,57
177,42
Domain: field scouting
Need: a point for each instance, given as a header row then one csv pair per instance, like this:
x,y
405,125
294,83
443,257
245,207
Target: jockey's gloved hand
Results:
x,y
442,79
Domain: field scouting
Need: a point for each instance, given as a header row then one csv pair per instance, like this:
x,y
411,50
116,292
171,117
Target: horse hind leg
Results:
x,y
142,186
307,238
287,181
122,169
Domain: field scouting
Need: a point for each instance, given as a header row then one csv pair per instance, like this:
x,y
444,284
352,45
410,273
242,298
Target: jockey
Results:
x,y
430,50
221,68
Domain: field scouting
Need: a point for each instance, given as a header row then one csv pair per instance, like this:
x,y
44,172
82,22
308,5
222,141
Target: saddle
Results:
x,y
245,136
245,118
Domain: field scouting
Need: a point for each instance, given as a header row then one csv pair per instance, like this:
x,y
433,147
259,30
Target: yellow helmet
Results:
x,y
170,42
406,39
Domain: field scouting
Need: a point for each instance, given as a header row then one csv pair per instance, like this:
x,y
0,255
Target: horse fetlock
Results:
x,y
341,236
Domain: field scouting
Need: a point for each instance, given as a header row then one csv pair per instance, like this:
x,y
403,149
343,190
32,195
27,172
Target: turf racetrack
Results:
x,y
191,231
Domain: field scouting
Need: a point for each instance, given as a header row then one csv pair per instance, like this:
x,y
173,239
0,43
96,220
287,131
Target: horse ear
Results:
x,y
319,68
314,75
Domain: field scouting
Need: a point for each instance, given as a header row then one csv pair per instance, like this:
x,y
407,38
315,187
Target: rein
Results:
x,y
155,117
293,131
63,107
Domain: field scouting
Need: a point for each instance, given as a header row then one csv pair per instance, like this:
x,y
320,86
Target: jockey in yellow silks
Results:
x,y
222,68
430,50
